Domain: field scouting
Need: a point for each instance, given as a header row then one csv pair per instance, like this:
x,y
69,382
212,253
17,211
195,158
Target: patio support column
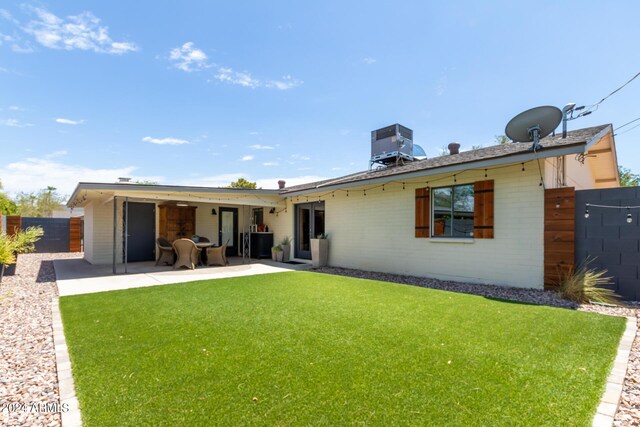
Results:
x,y
115,212
126,233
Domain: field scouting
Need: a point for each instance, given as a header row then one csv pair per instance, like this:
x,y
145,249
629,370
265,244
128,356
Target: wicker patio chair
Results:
x,y
187,253
217,256
165,251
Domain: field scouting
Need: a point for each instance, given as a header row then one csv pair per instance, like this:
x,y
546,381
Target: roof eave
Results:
x,y
523,157
127,188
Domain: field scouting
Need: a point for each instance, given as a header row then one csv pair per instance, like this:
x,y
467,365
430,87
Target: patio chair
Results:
x,y
187,253
165,251
217,256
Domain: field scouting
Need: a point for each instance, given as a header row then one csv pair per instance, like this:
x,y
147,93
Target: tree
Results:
x,y
501,139
243,183
7,206
628,178
40,204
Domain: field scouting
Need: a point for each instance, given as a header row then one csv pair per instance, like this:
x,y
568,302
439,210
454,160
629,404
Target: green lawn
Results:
x,y
304,348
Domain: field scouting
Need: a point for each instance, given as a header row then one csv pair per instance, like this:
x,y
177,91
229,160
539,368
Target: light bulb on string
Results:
x,y
629,217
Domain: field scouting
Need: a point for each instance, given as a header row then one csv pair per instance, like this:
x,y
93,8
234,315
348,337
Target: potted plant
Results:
x,y
7,254
285,244
320,250
22,242
276,253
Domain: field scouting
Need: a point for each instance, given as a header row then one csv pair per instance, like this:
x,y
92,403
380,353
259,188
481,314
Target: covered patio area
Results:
x,y
76,276
124,220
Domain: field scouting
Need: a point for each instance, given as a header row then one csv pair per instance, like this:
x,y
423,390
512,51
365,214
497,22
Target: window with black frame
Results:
x,y
453,211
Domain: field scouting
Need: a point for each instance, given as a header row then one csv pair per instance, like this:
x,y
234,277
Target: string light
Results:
x,y
629,218
485,173
454,178
382,187
364,192
523,167
347,193
403,185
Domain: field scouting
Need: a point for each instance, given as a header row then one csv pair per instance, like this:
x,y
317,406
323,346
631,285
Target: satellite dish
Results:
x,y
533,124
418,152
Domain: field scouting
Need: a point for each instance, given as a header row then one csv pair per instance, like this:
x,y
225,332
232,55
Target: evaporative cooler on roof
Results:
x,y
391,146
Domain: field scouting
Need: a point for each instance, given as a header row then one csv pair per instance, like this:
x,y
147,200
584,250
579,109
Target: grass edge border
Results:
x,y
66,387
610,400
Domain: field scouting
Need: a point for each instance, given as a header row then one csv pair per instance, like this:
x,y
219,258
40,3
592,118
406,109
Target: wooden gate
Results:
x,y
559,234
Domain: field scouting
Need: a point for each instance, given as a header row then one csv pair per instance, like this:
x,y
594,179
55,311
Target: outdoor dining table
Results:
x,y
202,247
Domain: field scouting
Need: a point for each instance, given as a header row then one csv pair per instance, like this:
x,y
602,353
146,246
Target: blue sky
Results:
x,y
202,92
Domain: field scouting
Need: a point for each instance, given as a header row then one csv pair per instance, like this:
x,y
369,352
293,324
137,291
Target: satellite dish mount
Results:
x,y
534,124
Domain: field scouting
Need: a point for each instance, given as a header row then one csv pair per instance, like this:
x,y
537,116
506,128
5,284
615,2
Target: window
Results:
x,y
453,209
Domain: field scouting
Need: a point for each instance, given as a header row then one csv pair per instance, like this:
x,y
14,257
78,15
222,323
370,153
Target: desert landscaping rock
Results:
x,y
628,413
28,379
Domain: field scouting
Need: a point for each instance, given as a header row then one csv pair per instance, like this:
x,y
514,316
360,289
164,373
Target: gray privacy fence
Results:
x,y
60,234
56,233
608,237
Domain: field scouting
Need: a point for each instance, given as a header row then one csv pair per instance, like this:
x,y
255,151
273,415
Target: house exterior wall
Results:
x,y
579,175
376,232
99,233
88,233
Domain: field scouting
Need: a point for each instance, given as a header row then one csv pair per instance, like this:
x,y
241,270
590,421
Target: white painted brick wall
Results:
x,y
376,233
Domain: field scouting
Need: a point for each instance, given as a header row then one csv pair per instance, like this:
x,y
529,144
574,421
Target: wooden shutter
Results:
x,y
483,209
423,212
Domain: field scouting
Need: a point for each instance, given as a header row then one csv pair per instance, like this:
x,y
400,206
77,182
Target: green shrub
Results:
x,y
584,284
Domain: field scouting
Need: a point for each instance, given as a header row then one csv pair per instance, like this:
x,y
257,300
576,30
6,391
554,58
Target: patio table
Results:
x,y
203,253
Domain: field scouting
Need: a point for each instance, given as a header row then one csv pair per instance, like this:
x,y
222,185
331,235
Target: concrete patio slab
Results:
x,y
76,276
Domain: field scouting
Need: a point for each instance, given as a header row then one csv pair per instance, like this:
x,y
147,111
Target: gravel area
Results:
x,y
28,379
629,411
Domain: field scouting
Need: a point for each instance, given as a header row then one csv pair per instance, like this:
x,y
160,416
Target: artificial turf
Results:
x,y
305,348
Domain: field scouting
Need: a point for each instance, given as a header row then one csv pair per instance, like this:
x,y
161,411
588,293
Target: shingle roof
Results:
x,y
576,137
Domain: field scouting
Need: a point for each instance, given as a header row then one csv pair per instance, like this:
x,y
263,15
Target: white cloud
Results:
x,y
228,75
441,85
14,123
369,60
188,58
69,121
165,141
246,158
261,147
271,164
15,43
83,32
15,108
33,174
300,157
286,83
255,133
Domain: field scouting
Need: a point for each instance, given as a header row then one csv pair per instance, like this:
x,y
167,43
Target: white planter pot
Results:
x,y
319,252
